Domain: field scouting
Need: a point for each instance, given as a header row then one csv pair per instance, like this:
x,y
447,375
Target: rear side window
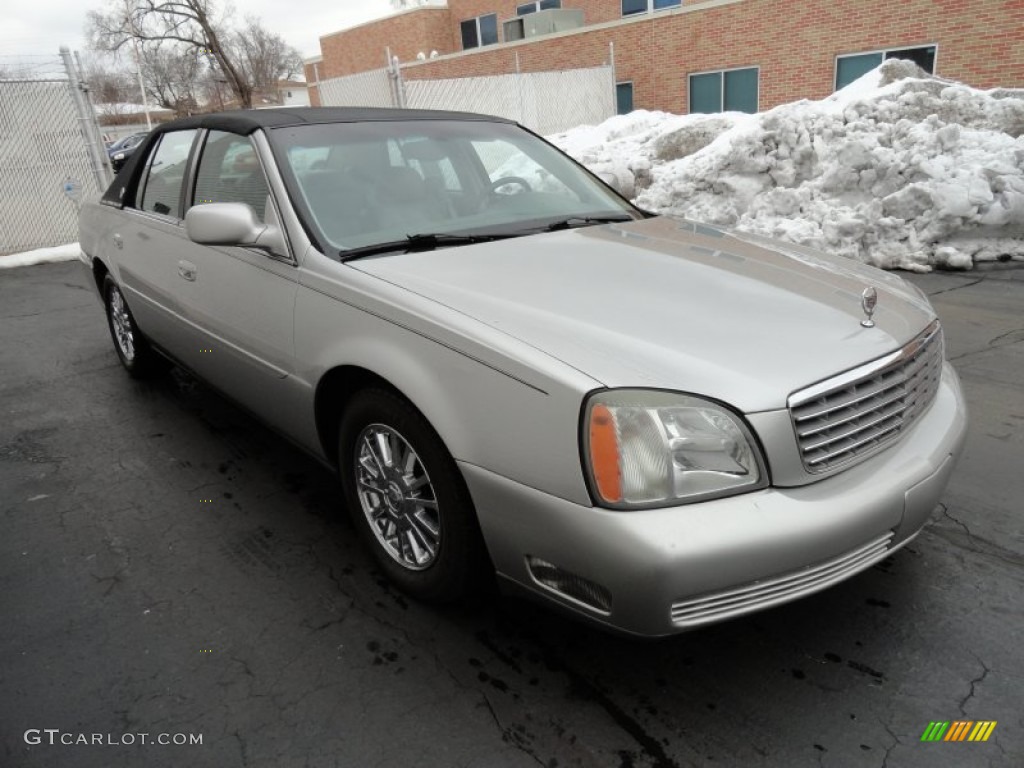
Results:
x,y
165,173
230,172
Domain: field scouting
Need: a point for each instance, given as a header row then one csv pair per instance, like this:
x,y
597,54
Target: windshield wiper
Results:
x,y
585,221
424,242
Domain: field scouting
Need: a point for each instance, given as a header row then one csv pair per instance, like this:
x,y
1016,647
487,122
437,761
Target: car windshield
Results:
x,y
364,184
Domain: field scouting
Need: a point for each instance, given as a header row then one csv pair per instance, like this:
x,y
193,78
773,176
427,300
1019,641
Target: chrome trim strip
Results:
x,y
866,371
773,591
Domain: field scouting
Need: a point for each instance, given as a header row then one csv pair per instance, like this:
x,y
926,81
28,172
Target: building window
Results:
x,y
541,5
849,68
624,97
483,30
730,90
630,7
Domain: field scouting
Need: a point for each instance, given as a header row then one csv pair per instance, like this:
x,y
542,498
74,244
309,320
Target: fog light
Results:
x,y
569,585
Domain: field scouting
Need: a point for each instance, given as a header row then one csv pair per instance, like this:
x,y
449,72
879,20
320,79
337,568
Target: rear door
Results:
x,y
147,240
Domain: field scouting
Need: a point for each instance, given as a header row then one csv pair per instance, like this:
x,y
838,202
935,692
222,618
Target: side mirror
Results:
x,y
232,224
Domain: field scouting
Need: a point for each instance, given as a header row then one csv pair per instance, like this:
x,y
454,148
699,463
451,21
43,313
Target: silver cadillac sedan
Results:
x,y
652,423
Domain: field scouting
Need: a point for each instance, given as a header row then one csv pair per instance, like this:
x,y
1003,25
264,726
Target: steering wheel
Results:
x,y
519,180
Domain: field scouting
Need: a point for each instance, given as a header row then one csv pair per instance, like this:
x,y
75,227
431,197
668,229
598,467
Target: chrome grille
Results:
x,y
856,413
762,594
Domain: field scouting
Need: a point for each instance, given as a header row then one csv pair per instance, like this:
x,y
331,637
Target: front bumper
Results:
x,y
671,569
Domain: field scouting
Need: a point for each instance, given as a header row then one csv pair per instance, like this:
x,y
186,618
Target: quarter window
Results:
x,y
165,173
849,68
483,30
230,172
730,90
631,7
542,5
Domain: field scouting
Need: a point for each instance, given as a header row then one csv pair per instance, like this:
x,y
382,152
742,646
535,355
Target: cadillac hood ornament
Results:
x,y
868,300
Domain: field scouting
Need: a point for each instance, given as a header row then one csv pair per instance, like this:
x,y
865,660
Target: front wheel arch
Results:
x,y
333,392
463,567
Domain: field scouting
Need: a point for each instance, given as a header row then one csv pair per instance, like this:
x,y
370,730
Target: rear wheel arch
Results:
x,y
99,274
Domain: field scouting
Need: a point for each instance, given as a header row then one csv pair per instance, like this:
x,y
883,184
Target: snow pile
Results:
x,y
41,256
899,169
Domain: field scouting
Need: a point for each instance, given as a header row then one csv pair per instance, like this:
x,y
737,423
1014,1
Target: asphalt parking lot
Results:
x,y
169,567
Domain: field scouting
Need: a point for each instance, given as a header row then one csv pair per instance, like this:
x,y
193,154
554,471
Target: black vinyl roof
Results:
x,y
248,120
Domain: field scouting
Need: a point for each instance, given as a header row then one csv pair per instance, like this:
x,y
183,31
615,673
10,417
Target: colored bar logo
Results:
x,y
959,730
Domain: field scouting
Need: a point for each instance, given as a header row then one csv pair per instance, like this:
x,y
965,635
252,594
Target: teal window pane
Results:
x,y
624,98
489,29
849,68
548,4
706,92
741,90
666,3
629,7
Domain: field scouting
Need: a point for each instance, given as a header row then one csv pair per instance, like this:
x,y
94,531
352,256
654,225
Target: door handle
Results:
x,y
187,270
118,241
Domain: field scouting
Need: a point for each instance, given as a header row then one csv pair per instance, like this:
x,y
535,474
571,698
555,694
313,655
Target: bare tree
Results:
x,y
171,76
193,24
263,56
107,83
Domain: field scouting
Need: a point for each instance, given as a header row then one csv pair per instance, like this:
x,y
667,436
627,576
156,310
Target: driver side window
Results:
x,y
165,173
230,172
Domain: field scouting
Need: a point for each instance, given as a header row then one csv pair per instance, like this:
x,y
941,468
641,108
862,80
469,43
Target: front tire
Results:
x,y
408,499
134,352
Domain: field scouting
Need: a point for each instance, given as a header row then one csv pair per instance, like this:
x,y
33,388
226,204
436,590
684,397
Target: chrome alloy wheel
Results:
x,y
121,323
397,497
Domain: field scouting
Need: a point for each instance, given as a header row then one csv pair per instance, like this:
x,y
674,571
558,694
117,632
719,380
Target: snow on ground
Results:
x,y
41,256
123,108
899,169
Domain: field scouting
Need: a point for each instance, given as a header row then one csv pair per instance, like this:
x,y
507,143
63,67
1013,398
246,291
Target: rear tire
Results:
x,y
408,499
134,352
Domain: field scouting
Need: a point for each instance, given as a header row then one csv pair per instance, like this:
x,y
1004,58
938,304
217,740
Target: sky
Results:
x,y
40,27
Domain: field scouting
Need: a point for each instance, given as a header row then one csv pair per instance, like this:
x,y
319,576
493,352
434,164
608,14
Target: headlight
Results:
x,y
119,156
646,448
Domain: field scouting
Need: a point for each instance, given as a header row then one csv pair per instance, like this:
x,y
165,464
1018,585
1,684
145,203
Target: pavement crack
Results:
x,y
996,342
506,735
621,718
974,543
975,682
957,287
888,750
243,749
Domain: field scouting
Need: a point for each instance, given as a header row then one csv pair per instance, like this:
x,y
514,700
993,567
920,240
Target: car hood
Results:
x,y
671,304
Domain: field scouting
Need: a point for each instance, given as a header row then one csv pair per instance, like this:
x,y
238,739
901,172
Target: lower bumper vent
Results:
x,y
730,603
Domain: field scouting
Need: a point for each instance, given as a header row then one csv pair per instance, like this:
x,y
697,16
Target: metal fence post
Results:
x,y
397,84
87,121
615,78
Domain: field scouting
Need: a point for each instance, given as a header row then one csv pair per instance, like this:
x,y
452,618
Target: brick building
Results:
x,y
684,56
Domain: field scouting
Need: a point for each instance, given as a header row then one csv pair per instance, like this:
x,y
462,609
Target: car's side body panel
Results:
x,y
513,412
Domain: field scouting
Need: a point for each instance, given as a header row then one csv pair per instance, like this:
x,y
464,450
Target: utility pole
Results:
x,y
138,62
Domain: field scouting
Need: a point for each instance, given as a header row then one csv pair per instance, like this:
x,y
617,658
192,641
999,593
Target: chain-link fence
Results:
x,y
546,102
366,89
50,152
